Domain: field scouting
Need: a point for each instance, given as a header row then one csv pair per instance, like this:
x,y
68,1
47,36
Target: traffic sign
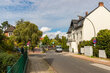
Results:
x,y
94,41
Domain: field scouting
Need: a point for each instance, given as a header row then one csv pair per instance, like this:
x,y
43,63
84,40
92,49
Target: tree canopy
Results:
x,y
103,41
64,42
46,40
26,31
5,24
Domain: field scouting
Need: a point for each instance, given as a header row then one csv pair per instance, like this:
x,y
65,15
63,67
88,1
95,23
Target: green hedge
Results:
x,y
103,43
7,60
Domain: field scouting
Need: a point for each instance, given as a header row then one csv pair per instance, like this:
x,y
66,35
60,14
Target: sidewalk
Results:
x,y
36,64
96,60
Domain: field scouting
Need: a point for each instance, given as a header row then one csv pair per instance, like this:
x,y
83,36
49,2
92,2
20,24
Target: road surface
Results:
x,y
68,64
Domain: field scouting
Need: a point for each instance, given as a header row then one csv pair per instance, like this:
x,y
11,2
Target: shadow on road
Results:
x,y
49,60
37,64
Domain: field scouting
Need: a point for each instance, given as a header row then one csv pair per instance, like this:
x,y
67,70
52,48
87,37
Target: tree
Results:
x,y
46,40
26,31
58,38
5,25
19,21
103,41
55,42
64,42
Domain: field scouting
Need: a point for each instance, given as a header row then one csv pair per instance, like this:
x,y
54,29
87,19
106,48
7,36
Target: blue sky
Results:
x,y
54,15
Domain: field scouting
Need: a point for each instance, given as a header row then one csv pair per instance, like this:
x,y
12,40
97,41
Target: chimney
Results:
x,y
86,13
101,4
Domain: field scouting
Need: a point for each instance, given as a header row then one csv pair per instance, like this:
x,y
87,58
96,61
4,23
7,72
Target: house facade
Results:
x,y
9,31
87,27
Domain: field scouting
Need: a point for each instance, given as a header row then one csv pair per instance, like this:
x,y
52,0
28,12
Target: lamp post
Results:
x,y
94,40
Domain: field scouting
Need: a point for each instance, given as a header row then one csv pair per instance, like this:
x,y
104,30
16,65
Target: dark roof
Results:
x,y
75,24
79,24
10,29
72,25
69,30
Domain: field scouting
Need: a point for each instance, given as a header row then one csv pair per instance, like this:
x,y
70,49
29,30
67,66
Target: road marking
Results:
x,y
101,66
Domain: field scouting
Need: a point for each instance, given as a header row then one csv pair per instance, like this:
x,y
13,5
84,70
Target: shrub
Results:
x,y
103,41
82,44
95,51
7,60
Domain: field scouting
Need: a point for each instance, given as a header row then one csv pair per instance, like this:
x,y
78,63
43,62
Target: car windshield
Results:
x,y
58,47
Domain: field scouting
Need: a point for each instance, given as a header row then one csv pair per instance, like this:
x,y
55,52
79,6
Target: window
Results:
x,y
73,36
10,33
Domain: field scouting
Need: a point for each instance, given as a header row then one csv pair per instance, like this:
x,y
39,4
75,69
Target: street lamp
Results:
x,y
94,41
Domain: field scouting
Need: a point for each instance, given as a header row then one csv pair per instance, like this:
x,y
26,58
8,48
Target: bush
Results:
x,y
66,50
83,43
89,43
7,60
95,51
103,41
107,50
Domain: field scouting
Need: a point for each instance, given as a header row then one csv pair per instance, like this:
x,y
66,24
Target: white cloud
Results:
x,y
52,35
47,13
45,29
10,2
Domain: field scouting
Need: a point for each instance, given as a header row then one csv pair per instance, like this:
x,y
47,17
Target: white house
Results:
x,y
87,27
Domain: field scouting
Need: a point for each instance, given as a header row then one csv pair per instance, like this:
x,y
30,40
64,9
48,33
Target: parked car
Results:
x,y
59,49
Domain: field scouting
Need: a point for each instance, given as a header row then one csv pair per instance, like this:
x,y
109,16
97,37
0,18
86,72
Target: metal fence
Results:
x,y
20,66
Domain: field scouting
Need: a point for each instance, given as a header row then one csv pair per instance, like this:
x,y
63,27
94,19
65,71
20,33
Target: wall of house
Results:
x,y
101,20
6,34
74,47
75,37
10,33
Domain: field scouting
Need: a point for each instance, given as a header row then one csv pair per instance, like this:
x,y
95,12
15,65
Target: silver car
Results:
x,y
59,49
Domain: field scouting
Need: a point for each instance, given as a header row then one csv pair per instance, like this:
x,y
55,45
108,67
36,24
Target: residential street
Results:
x,y
68,64
62,63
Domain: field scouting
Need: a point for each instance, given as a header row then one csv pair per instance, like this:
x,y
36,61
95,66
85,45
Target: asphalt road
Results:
x,y
68,64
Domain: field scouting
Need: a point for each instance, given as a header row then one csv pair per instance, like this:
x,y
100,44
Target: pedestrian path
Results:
x,y
36,64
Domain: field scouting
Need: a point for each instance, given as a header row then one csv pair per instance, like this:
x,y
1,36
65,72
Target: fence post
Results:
x,y
8,68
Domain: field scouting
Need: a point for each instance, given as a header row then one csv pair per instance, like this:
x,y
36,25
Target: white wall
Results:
x,y
101,20
76,40
78,37
74,47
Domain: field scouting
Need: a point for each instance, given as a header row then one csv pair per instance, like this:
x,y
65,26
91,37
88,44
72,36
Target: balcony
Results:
x,y
71,40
